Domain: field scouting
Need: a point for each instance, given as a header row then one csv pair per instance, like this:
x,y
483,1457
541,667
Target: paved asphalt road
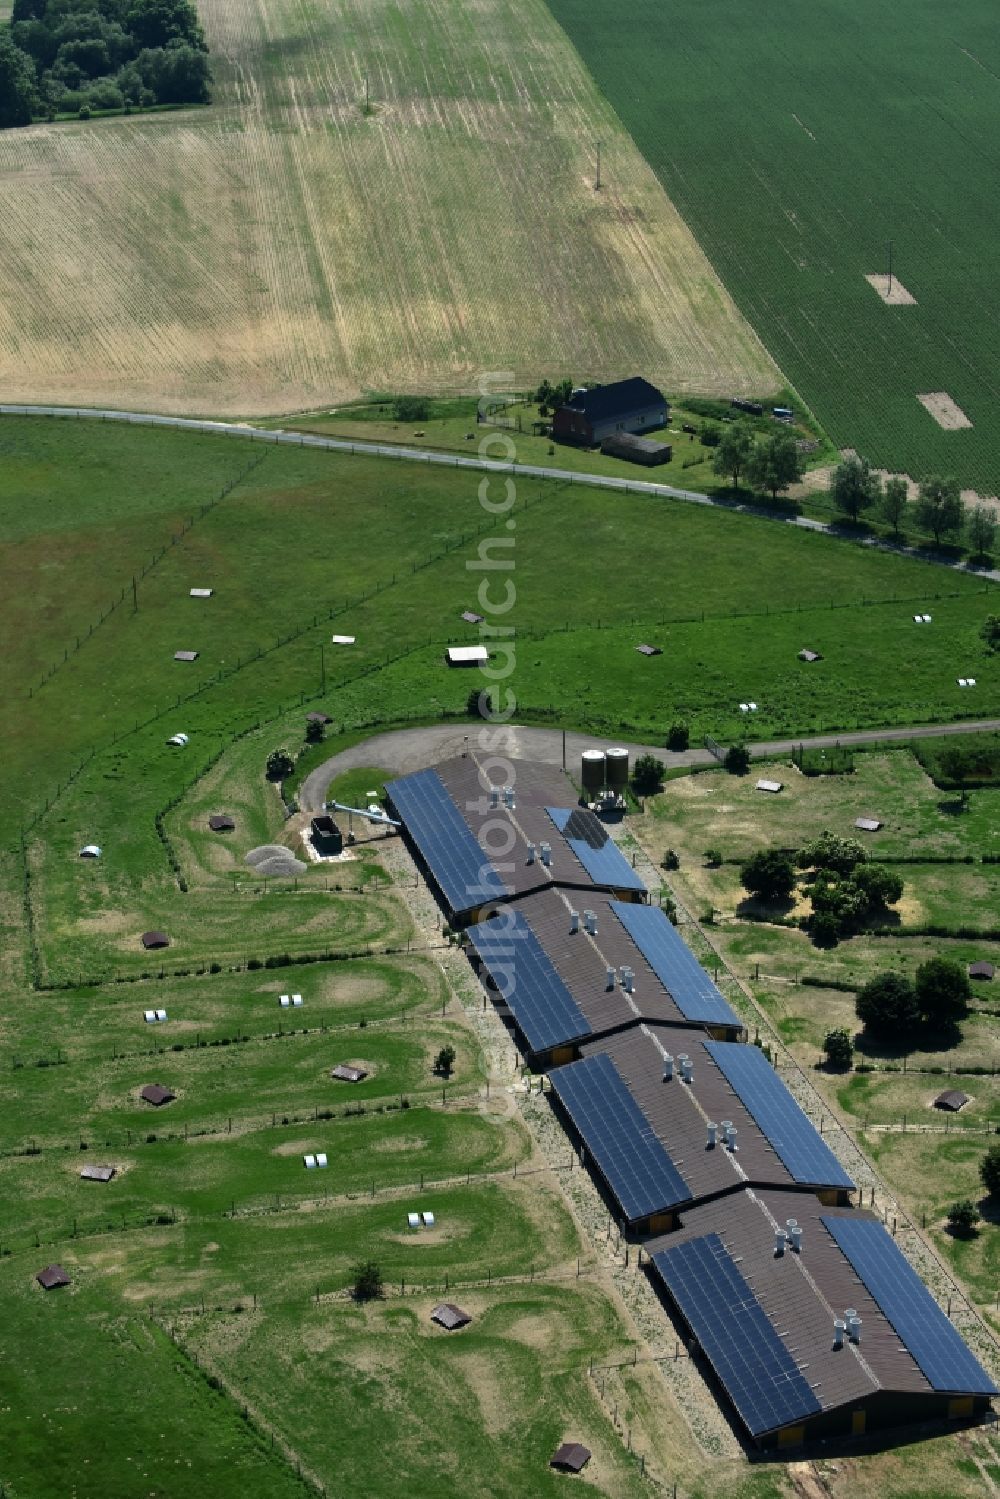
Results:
x,y
248,431
405,750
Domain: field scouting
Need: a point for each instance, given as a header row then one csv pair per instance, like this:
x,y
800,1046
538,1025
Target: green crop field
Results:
x,y
797,143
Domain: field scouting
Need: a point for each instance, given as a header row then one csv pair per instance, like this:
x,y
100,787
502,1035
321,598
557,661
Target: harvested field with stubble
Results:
x,y
306,250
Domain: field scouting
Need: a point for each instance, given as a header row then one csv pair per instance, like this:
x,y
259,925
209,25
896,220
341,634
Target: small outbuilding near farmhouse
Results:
x,y
589,416
151,940
981,970
952,1100
97,1173
633,449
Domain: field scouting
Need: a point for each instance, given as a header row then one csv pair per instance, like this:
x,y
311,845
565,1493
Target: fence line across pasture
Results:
x,y
271,964
456,1098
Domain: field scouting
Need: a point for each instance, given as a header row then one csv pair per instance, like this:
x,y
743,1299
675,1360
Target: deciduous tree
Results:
x,y
895,498
989,1171
831,851
939,506
963,1218
981,530
942,991
855,486
887,1007
737,759
769,874
367,1278
839,1049
17,83
734,449
647,775
775,464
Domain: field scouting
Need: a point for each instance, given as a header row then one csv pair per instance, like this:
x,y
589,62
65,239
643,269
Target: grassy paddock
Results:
x,y
77,1364
532,1343
256,1170
246,1084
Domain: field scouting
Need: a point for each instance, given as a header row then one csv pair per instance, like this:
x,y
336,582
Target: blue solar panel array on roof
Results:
x,y
759,1374
619,1137
797,1144
543,1007
674,964
595,848
905,1302
460,867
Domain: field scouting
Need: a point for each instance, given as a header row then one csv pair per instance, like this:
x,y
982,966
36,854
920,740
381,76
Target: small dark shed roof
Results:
x,y
221,822
952,1099
472,618
617,399
981,969
155,939
52,1276
649,650
318,718
571,1457
348,1074
156,1094
450,1316
97,1173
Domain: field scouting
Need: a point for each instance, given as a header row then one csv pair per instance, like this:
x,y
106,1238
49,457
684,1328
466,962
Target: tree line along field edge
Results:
x,y
794,146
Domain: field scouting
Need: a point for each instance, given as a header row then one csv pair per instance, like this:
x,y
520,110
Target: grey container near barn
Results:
x,y
617,769
593,770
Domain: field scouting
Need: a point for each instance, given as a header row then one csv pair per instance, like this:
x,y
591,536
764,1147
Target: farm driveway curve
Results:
x,y
406,750
253,433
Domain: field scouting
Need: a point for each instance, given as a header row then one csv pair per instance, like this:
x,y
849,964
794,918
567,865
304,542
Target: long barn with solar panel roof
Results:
x,y
590,969
689,1121
480,842
808,1315
812,1320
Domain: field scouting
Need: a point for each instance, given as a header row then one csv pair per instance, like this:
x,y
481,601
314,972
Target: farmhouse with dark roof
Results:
x,y
589,416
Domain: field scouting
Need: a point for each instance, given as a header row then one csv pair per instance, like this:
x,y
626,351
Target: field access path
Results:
x,y
406,750
253,433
